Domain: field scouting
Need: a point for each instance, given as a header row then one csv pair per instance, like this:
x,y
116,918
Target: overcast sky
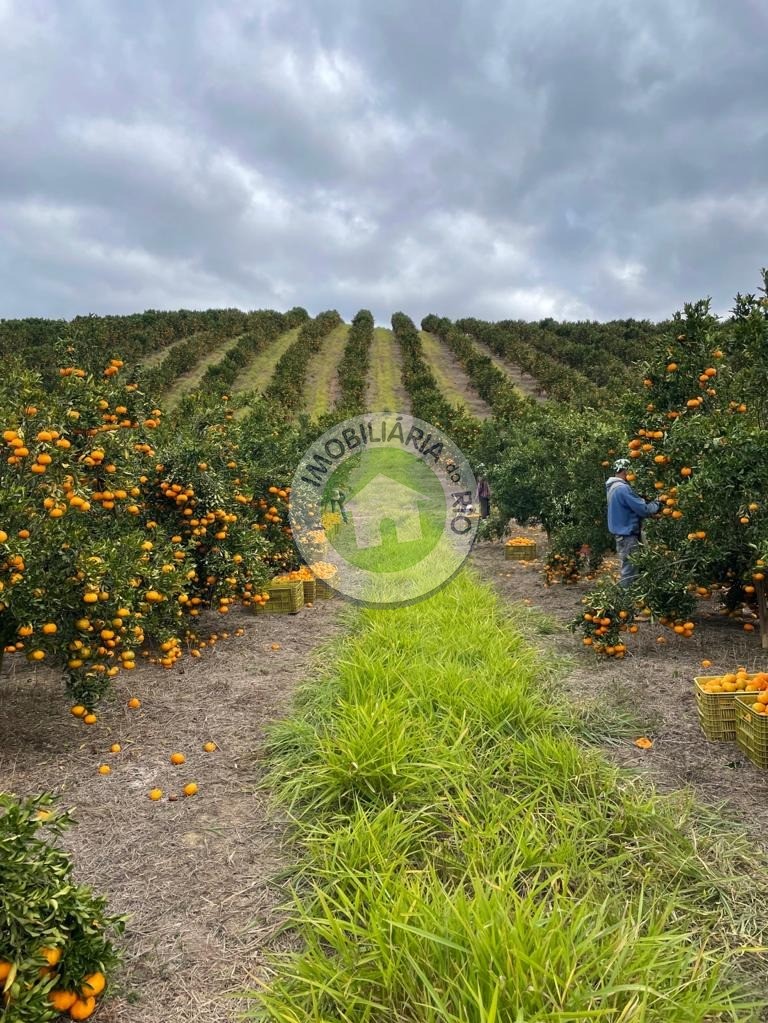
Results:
x,y
497,158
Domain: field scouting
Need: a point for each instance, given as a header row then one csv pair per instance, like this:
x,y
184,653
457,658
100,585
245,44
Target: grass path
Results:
x,y
385,384
189,381
152,360
321,389
466,856
521,380
259,372
451,377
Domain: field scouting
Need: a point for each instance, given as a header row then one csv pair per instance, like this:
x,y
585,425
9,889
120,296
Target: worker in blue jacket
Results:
x,y
626,511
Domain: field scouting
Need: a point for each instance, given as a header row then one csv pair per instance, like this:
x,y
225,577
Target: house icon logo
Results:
x,y
383,500
381,509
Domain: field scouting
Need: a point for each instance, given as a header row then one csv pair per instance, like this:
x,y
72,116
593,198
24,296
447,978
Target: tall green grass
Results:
x,y
464,857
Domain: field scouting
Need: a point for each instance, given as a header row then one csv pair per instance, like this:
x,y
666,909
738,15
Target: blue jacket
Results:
x,y
625,508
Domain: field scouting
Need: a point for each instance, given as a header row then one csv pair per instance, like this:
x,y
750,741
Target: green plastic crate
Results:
x,y
324,591
752,731
528,553
284,598
717,711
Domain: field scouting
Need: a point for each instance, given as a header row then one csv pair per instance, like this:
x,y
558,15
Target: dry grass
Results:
x,y
385,380
195,875
653,684
451,377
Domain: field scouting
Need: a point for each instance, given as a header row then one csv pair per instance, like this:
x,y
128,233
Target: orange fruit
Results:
x,y
210,747
178,758
93,984
155,794
134,703
190,789
115,747
78,710
90,719
61,1001
82,1008
51,955
706,664
105,769
5,969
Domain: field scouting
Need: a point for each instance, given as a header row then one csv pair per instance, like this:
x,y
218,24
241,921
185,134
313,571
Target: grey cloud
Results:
x,y
502,160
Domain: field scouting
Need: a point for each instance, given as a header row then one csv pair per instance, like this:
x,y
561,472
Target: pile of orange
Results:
x,y
520,541
323,569
739,681
302,574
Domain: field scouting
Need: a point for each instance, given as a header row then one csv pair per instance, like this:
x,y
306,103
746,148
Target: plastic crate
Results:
x,y
284,598
717,711
324,591
519,553
310,590
752,731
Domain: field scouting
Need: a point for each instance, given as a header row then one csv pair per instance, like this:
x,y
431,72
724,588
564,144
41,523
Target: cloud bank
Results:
x,y
514,159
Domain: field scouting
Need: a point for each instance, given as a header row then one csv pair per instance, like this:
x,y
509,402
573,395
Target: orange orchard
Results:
x,y
116,534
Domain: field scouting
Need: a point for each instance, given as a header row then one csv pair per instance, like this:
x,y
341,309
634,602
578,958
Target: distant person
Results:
x,y
338,497
483,494
626,511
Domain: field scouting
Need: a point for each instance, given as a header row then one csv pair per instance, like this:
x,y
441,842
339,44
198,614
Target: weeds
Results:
x,y
465,859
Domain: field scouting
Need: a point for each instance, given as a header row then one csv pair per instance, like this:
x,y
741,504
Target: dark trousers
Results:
x,y
341,509
485,507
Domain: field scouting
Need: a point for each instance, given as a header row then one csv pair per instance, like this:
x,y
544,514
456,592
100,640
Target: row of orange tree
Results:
x,y
118,529
698,439
427,400
354,365
42,343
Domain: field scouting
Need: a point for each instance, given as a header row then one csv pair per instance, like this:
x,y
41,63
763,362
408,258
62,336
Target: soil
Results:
x,y
519,377
451,376
654,682
196,875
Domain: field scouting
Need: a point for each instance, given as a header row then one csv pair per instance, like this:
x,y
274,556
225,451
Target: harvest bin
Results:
x,y
717,711
522,553
284,598
752,731
324,591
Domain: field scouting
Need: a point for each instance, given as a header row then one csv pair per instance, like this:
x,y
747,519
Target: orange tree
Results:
x,y
116,530
79,574
545,469
57,947
699,442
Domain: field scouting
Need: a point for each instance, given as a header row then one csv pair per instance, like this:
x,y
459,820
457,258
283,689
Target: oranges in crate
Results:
x,y
302,574
323,569
740,681
520,541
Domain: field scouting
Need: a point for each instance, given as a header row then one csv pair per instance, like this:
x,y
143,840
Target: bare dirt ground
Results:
x,y
196,875
519,378
654,682
451,377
